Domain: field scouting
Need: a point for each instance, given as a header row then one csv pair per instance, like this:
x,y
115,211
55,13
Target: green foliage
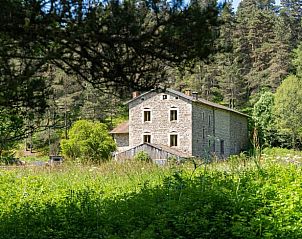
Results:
x,y
297,60
140,200
11,129
142,156
88,141
264,118
281,152
288,107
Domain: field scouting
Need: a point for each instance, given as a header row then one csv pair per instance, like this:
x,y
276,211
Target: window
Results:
x,y
209,120
202,116
147,138
165,97
173,140
147,115
173,114
203,133
221,146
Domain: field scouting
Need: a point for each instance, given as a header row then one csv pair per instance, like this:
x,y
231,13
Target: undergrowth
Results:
x,y
232,199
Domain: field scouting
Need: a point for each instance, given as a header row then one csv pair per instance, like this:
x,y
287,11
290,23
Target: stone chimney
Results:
x,y
188,92
195,95
135,94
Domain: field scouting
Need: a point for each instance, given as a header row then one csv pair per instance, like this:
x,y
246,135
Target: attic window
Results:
x,y
142,99
176,97
165,97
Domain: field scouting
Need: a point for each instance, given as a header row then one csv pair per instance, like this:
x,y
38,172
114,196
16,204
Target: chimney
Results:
x,y
188,92
195,95
135,94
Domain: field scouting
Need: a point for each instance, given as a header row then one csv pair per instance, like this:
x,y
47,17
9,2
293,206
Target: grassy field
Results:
x,y
235,199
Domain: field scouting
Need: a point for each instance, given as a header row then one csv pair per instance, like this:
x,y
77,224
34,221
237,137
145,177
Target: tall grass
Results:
x,y
233,199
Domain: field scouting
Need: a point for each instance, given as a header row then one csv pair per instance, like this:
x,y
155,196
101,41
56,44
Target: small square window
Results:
x,y
165,97
173,140
147,115
173,115
147,138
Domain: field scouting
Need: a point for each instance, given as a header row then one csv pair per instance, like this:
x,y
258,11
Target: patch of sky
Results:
x,y
236,3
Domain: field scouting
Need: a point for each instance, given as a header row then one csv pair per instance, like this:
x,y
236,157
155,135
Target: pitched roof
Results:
x,y
190,98
170,150
122,128
164,148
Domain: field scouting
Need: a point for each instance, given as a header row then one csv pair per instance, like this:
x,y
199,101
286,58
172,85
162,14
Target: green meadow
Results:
x,y
239,198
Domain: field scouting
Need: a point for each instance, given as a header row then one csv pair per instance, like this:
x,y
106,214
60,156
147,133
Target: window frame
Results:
x,y
222,147
150,115
149,136
170,139
173,108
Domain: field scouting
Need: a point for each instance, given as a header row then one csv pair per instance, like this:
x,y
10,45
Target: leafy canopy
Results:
x,y
288,106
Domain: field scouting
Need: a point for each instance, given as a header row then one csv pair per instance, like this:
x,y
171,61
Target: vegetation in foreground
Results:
x,y
234,199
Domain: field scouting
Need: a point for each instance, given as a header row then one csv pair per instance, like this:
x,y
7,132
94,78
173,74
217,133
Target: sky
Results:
x,y
236,3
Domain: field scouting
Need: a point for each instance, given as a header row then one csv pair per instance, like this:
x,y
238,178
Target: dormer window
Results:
x,y
173,114
147,115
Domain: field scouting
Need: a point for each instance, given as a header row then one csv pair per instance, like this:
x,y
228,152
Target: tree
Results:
x,y
264,118
88,140
111,44
288,107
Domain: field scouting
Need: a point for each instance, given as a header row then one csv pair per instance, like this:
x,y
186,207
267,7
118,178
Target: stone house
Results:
x,y
168,120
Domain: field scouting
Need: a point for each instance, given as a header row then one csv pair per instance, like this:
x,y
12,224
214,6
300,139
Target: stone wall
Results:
x,y
160,127
203,130
226,133
222,132
121,140
238,134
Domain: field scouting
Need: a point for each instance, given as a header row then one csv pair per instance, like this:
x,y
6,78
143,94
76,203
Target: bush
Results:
x,y
142,156
88,141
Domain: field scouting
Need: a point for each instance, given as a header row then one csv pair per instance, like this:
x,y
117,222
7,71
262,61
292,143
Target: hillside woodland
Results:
x,y
62,61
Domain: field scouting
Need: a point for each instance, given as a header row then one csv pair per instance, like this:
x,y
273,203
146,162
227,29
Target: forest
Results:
x,y
62,61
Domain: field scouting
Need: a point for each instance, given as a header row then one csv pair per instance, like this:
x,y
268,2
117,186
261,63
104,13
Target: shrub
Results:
x,y
142,156
88,141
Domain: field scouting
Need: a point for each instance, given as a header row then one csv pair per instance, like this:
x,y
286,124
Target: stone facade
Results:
x,y
122,140
160,127
201,128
